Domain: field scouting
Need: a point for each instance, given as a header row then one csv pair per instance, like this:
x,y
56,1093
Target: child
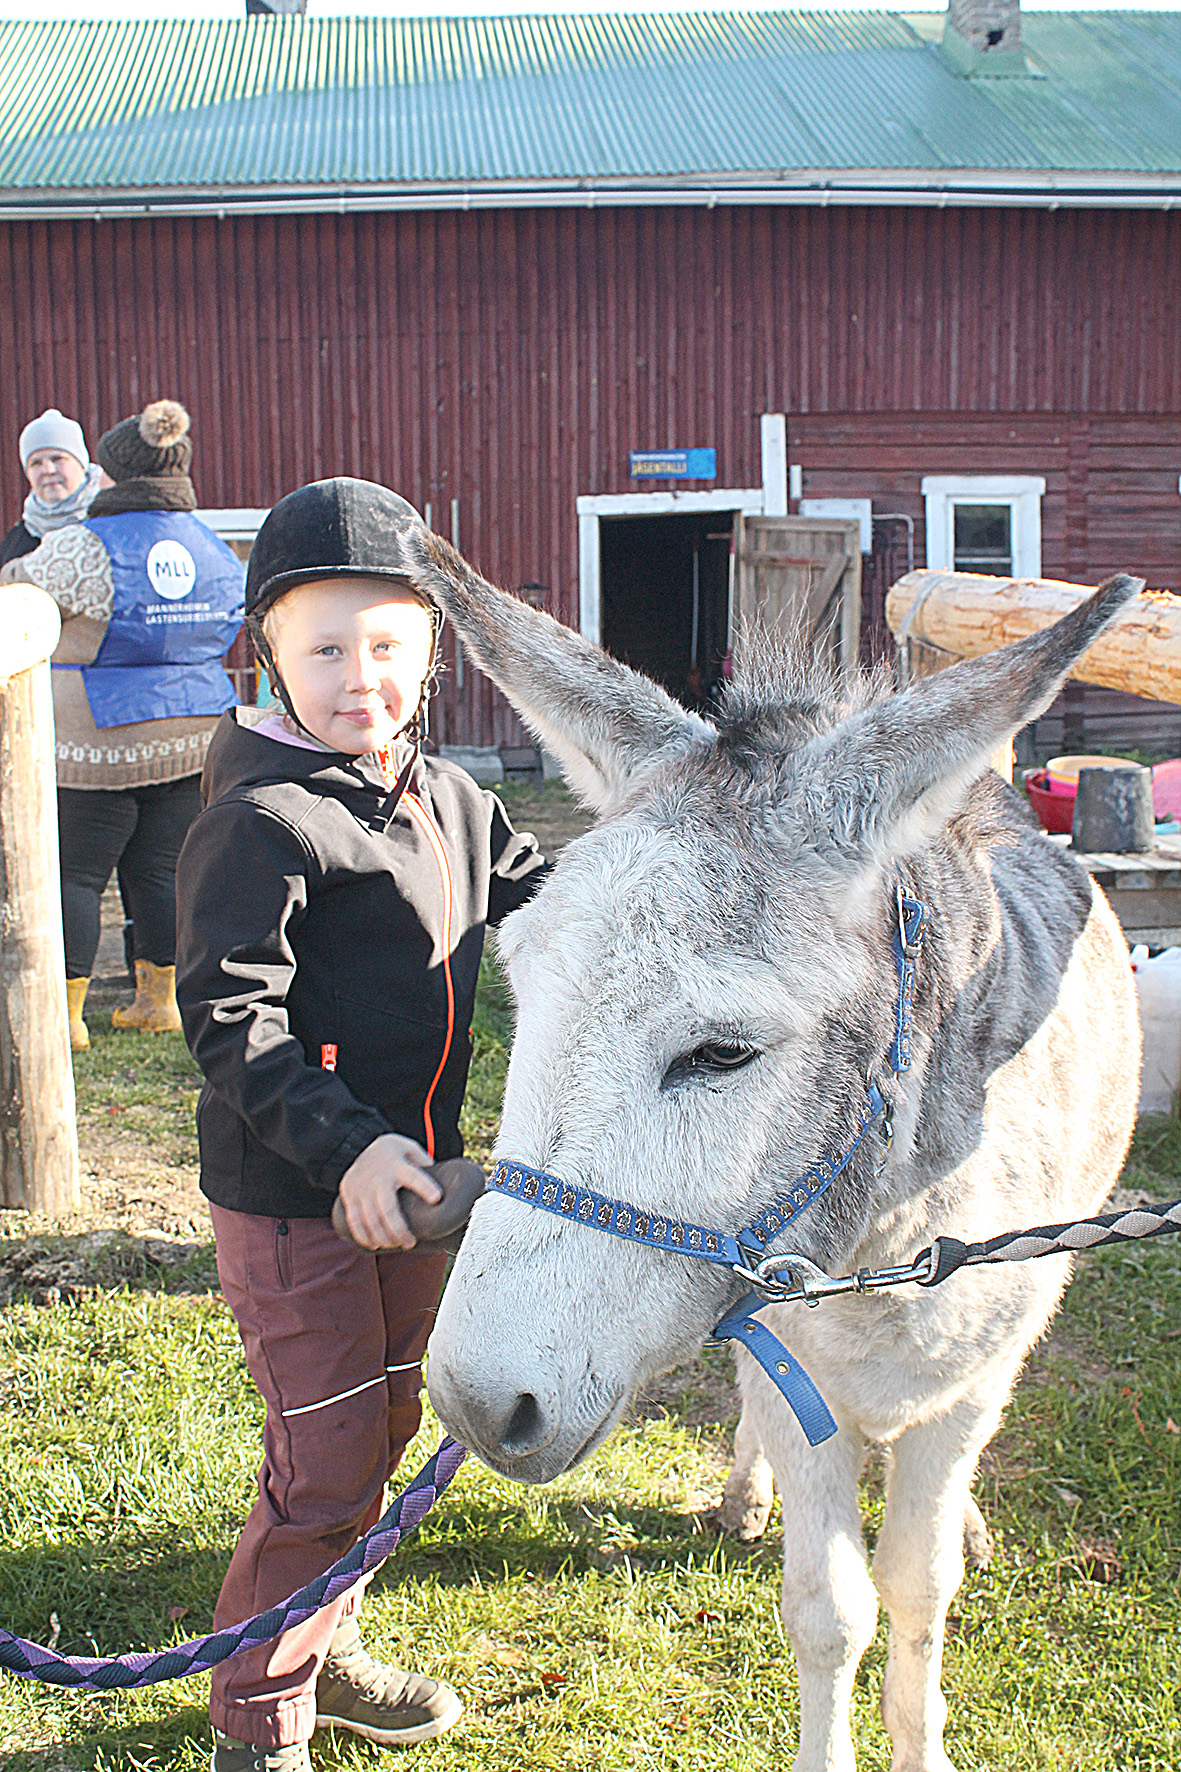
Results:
x,y
332,898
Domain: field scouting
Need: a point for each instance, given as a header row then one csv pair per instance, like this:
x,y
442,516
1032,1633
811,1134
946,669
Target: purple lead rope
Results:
x,y
143,1668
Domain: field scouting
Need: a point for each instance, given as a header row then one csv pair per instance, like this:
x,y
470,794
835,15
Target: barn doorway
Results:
x,y
666,589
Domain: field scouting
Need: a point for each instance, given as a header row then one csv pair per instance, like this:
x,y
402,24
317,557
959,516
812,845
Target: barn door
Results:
x,y
800,574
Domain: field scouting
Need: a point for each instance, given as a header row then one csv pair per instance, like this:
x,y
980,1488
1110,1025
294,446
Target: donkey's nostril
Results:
x,y
526,1431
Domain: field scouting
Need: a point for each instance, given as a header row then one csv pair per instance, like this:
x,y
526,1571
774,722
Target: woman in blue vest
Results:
x,y
151,600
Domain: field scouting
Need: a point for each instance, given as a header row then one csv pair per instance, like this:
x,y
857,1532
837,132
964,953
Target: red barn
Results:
x,y
925,266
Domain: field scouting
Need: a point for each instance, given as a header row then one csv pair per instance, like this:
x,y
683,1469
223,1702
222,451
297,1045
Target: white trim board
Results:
x,y
235,523
856,510
1023,493
1053,188
591,507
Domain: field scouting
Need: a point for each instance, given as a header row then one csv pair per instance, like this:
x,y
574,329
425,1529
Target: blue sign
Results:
x,y
673,464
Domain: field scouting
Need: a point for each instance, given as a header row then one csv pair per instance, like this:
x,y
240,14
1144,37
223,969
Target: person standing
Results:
x,y
151,600
333,899
62,481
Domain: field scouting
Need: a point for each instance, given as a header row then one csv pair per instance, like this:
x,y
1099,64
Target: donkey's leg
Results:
x,y
918,1566
978,1546
750,1487
829,1605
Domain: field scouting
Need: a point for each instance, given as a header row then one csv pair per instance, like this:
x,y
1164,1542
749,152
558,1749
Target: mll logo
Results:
x,y
172,571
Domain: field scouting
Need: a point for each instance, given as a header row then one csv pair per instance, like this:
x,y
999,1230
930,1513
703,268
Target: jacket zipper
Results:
x,y
418,812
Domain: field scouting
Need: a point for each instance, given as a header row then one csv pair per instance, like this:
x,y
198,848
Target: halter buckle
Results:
x,y
910,947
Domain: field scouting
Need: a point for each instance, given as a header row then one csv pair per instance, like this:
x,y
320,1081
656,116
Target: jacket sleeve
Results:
x,y
242,885
518,866
73,567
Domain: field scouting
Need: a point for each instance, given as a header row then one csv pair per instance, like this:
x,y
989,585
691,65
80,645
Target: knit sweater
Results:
x,y
73,566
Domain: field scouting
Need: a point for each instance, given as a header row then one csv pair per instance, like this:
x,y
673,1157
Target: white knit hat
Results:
x,y
54,431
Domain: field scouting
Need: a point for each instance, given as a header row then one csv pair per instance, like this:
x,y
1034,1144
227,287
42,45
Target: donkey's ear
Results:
x,y
603,722
886,781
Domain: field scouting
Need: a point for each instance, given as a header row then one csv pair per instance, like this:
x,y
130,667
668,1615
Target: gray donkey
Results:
x,y
703,986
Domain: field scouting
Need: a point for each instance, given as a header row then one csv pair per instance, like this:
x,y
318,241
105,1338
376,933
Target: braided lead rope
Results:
x,y
1053,1239
148,1668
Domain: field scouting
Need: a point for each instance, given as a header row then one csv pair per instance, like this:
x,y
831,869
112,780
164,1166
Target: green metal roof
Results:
x,y
806,106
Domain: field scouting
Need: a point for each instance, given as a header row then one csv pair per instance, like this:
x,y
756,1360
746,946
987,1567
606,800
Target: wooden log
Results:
x,y
39,1147
966,615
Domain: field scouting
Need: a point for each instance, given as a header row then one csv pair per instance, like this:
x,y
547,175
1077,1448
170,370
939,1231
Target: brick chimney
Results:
x,y
983,37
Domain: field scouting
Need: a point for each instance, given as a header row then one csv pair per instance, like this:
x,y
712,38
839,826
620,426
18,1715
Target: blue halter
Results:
x,y
742,1250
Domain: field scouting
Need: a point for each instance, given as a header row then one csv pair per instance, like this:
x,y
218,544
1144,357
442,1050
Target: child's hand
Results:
x,y
369,1191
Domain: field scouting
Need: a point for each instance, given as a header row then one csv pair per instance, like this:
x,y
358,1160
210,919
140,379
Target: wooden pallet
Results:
x,y
1144,890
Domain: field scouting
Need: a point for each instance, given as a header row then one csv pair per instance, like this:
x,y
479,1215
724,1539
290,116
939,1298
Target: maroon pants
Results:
x,y
334,1339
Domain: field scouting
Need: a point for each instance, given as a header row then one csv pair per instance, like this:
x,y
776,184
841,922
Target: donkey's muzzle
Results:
x,y
510,1425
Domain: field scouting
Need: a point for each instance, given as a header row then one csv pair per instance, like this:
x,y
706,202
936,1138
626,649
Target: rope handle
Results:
x,y
149,1667
948,1254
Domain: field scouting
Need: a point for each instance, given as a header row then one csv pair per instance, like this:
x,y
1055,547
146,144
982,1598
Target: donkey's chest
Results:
x,y
886,1361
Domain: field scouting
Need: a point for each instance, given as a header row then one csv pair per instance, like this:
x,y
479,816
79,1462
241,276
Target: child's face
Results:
x,y
353,653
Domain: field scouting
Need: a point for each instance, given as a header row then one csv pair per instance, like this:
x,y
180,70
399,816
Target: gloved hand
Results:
x,y
442,1225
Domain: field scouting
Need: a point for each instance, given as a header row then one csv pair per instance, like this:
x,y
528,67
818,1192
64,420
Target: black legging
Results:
x,y
140,830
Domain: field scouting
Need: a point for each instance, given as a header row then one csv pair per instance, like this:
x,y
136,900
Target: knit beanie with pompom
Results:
x,y
157,443
148,458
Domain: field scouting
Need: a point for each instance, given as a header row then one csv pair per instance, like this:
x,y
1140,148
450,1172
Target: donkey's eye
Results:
x,y
709,1060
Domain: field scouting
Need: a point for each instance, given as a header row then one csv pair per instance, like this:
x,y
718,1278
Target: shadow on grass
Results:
x,y
110,1598
51,1270
487,1543
149,1593
95,1739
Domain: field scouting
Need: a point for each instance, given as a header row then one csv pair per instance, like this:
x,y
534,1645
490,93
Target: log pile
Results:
x,y
965,615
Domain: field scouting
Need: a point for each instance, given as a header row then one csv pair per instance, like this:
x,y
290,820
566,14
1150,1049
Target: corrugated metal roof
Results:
x,y
189,106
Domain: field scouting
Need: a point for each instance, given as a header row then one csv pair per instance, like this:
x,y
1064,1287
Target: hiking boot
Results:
x,y
240,1756
154,1010
76,989
384,1704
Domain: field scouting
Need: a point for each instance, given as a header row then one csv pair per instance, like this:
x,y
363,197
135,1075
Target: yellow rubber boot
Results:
x,y
154,1010
76,989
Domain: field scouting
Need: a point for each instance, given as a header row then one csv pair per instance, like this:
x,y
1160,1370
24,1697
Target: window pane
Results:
x,y
984,539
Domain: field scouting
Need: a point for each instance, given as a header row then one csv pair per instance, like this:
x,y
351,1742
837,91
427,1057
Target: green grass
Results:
x,y
600,1622
143,1086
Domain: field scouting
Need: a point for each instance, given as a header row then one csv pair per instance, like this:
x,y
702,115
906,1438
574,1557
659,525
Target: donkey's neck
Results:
x,y
1007,909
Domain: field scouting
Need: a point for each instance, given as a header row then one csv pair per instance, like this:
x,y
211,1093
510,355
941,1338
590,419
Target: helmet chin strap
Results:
x,y
415,729
262,648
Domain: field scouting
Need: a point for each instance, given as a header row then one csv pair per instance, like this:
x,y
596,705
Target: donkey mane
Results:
x,y
784,693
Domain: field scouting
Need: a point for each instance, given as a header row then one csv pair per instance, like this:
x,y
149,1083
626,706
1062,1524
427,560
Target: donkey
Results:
x,y
703,985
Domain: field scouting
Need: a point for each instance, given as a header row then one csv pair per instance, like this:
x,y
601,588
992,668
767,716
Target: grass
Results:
x,y
600,1622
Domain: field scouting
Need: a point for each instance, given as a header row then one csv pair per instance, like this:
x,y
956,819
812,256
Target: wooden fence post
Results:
x,y
39,1150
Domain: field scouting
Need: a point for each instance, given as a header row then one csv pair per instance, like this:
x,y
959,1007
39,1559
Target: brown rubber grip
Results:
x,y
443,1224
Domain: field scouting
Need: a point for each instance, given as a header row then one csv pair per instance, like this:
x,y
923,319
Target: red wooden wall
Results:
x,y
511,359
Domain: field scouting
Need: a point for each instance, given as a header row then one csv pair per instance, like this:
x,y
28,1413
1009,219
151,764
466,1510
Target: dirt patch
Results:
x,y
702,1394
54,1270
549,810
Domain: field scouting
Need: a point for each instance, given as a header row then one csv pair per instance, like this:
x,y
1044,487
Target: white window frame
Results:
x,y
1023,493
238,523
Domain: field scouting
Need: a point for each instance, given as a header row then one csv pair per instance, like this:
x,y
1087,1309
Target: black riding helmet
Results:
x,y
333,529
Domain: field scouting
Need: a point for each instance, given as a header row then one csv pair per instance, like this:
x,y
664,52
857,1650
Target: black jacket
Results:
x,y
18,542
310,934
